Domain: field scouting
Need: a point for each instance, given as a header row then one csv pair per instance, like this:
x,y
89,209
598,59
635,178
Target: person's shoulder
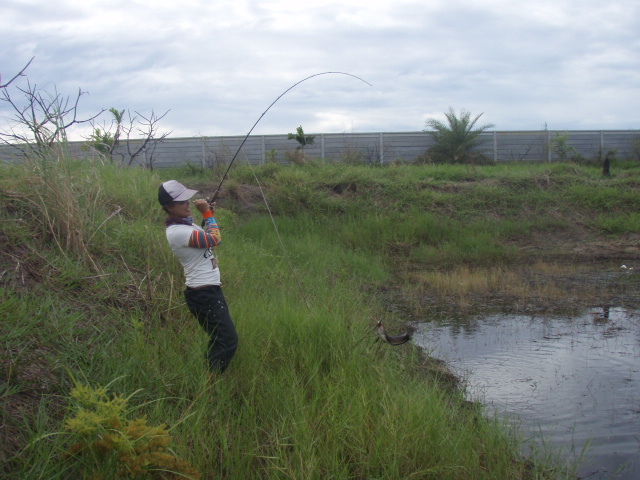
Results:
x,y
178,229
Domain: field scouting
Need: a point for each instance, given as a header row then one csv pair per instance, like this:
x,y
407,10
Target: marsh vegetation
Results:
x,y
92,296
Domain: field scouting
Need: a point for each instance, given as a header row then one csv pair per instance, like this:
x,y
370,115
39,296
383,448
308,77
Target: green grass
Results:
x,y
90,291
619,224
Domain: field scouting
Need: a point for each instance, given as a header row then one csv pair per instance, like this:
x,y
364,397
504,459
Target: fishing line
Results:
x,y
216,193
382,334
284,250
397,340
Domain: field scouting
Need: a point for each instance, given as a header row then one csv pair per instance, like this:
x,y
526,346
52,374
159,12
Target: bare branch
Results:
x,y
46,116
148,129
19,74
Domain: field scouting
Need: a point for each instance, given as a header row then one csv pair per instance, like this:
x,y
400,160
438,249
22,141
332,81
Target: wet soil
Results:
x,y
599,284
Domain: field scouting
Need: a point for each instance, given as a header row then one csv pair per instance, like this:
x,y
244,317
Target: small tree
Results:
x,y
41,120
301,138
104,141
456,139
147,128
561,148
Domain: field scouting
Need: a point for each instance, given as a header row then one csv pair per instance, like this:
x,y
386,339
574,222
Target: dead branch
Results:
x,y
148,129
19,74
43,119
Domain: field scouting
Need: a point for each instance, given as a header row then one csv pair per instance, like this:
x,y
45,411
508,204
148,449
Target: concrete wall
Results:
x,y
501,146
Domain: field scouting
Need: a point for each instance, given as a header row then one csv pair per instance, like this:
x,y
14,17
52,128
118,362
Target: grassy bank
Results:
x,y
535,237
91,295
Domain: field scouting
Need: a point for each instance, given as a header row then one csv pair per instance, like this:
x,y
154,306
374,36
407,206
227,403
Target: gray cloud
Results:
x,y
218,65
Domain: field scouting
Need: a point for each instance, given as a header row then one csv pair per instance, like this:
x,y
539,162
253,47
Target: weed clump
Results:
x,y
108,445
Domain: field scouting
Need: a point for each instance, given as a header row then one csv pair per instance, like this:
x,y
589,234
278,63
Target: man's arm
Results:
x,y
211,236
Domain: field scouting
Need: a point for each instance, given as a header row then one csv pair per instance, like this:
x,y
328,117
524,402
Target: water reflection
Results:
x,y
572,381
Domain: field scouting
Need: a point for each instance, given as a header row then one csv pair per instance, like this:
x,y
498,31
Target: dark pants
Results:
x,y
209,306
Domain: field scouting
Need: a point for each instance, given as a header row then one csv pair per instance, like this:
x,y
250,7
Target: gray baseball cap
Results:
x,y
174,191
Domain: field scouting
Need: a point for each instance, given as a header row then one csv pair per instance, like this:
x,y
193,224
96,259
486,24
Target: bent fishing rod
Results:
x,y
217,192
392,340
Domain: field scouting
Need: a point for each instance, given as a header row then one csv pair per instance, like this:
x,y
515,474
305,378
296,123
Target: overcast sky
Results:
x,y
217,65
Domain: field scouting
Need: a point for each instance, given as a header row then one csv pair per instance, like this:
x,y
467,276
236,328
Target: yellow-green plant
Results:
x,y
109,445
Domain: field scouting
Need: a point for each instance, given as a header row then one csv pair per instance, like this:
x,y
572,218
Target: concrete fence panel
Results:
x,y
380,147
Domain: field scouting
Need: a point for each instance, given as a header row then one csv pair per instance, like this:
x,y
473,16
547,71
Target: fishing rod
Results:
x,y
392,340
217,192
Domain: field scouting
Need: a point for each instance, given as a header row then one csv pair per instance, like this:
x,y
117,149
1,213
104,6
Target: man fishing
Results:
x,y
193,246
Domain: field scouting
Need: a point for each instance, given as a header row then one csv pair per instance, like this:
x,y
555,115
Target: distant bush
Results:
x,y
352,157
423,159
296,157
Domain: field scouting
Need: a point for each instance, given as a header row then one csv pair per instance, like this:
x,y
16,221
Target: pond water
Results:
x,y
574,382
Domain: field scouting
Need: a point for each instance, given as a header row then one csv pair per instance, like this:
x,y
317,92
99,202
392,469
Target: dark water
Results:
x,y
573,382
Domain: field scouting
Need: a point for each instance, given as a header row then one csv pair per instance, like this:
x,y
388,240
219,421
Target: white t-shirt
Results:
x,y
200,265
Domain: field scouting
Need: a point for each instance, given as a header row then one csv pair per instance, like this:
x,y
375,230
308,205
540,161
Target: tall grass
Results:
x,y
91,291
456,204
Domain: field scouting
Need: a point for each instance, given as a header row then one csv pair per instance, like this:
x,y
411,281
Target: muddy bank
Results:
x,y
566,289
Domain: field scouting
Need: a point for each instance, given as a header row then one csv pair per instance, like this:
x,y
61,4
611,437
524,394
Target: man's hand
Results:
x,y
203,206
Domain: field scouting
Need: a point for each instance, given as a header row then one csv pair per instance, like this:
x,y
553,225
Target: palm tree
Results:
x,y
455,141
